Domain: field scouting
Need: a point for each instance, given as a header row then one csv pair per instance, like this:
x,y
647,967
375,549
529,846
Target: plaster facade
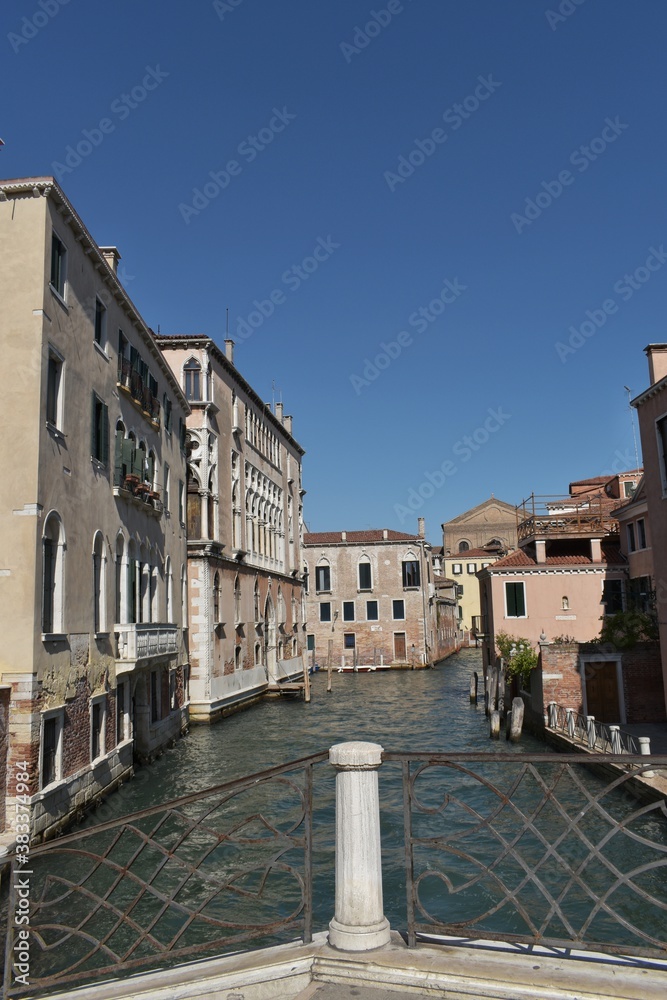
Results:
x,y
93,572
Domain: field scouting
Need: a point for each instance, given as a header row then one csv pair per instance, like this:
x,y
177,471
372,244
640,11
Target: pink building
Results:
x,y
568,571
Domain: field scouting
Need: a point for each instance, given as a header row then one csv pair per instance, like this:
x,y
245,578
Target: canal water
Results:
x,y
424,710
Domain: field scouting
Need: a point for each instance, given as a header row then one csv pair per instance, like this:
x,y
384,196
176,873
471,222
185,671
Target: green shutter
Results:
x,y
105,433
93,429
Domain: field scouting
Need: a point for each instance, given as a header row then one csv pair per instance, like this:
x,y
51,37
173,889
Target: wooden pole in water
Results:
x,y
473,688
495,726
517,720
306,677
329,659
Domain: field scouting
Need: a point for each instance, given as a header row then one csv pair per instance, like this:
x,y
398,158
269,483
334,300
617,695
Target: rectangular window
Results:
x,y
372,614
99,444
349,640
515,600
348,611
310,642
629,488
398,610
641,533
54,377
50,547
661,430
120,712
631,538
457,569
365,577
459,590
322,579
100,323
325,611
97,720
411,577
166,406
612,596
472,568
58,265
51,748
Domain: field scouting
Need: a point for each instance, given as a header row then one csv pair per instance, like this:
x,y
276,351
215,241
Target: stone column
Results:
x,y
359,923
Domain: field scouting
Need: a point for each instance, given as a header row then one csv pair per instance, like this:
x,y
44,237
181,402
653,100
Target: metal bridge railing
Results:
x,y
600,737
183,880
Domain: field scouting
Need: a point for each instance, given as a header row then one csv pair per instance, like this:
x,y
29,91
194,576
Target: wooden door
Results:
x,y
399,647
602,691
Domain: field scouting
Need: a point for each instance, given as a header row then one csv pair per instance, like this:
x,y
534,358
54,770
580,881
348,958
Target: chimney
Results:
x,y
287,424
657,361
384,534
279,412
343,536
111,256
229,351
422,528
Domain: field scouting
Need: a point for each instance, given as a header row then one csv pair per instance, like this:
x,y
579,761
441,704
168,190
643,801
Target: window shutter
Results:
x,y
48,585
93,426
104,431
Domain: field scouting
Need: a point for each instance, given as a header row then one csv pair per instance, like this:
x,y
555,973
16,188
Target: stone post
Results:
x,y
569,712
553,715
590,729
494,732
359,923
645,750
615,739
473,688
516,726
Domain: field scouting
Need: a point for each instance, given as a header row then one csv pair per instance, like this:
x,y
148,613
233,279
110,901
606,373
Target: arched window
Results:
x,y
237,657
365,574
464,546
53,575
168,590
216,599
99,583
280,602
323,576
237,600
192,381
258,654
133,582
121,608
410,571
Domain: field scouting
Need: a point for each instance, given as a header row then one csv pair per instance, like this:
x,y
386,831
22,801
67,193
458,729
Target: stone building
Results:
x,y
491,524
244,517
93,579
372,593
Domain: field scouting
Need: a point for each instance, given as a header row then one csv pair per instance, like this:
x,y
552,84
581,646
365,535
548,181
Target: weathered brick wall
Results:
x,y
561,680
76,730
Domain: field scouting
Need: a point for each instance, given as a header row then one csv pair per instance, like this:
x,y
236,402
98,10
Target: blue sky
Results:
x,y
498,166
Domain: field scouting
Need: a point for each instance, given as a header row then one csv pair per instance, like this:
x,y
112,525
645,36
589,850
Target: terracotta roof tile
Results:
x,y
357,537
611,554
472,554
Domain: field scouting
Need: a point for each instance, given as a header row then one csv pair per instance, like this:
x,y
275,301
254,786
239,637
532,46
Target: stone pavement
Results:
x,y
334,991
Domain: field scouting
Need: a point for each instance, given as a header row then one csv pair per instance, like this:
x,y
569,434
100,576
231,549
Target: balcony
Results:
x,y
133,490
131,381
140,641
565,517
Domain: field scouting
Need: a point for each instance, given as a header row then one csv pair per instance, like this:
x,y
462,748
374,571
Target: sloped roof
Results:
x,y
508,508
611,554
357,537
472,554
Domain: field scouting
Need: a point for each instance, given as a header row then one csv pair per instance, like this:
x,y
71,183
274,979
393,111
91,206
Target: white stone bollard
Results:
x,y
553,715
591,733
615,738
569,712
645,750
359,923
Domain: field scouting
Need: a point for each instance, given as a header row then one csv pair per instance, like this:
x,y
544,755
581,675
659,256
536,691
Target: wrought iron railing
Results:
x,y
195,877
537,850
532,849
